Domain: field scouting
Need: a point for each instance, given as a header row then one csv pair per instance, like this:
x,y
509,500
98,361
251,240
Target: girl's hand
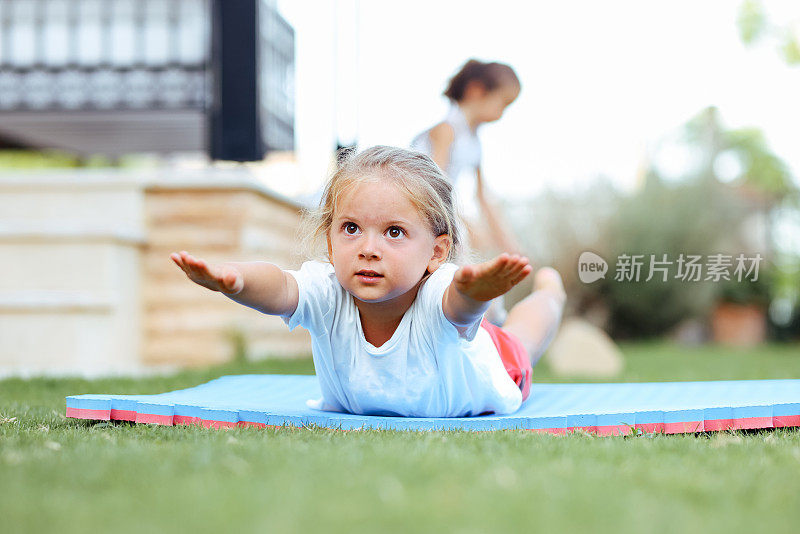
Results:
x,y
223,278
488,280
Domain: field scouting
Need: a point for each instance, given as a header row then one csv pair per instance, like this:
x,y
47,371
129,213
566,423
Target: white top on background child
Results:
x,y
465,151
478,93
464,160
396,329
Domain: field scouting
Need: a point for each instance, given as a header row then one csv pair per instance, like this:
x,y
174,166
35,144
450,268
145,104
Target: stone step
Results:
x,y
218,319
204,348
193,348
159,267
187,236
102,206
97,268
197,208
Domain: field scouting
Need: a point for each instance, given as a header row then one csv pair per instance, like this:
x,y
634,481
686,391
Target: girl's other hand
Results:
x,y
223,278
493,278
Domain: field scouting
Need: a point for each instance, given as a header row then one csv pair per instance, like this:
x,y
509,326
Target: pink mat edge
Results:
x,y
711,425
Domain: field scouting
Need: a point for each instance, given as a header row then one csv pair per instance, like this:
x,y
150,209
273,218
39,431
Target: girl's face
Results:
x,y
380,246
493,103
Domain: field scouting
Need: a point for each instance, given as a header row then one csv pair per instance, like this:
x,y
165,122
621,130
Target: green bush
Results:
x,y
690,218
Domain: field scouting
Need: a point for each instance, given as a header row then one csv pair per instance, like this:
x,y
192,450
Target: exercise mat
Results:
x,y
604,409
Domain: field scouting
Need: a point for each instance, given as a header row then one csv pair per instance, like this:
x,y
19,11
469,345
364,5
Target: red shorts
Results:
x,y
515,357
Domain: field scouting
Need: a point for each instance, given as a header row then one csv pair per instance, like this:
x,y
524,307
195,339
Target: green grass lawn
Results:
x,y
65,475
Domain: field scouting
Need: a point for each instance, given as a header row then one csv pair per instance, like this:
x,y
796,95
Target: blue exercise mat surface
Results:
x,y
277,400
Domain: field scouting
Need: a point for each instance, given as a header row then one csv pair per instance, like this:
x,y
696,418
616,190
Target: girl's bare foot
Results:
x,y
493,278
222,278
548,279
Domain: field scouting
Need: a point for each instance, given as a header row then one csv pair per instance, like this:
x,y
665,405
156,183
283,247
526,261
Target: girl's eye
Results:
x,y
395,232
350,228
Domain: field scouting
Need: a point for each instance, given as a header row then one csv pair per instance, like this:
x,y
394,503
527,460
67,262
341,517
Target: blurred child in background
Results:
x,y
479,93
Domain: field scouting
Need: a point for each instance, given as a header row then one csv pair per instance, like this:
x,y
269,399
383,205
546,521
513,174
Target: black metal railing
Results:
x,y
103,54
59,55
277,81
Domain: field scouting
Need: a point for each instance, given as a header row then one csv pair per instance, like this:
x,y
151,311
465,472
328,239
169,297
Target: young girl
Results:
x,y
478,93
396,328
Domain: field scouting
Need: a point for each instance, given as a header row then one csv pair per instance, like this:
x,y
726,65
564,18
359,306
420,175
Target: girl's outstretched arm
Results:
x,y
258,285
473,286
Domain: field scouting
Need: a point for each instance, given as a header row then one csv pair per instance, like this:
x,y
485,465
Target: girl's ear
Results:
x,y
441,249
330,249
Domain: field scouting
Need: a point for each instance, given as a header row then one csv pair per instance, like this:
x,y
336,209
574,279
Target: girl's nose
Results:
x,y
370,248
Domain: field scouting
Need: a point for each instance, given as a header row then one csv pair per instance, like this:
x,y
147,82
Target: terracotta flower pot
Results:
x,y
741,325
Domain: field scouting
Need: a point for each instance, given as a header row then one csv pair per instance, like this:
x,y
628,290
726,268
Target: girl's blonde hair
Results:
x,y
424,183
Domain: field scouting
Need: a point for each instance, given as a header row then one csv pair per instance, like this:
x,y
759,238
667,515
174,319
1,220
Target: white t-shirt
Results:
x,y
426,369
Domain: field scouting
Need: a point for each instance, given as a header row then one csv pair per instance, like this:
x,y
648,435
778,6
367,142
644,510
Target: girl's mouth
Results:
x,y
368,276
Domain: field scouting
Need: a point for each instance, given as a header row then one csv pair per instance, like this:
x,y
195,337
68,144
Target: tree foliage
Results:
x,y
755,25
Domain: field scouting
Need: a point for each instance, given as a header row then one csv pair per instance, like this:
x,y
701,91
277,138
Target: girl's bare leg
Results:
x,y
535,319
